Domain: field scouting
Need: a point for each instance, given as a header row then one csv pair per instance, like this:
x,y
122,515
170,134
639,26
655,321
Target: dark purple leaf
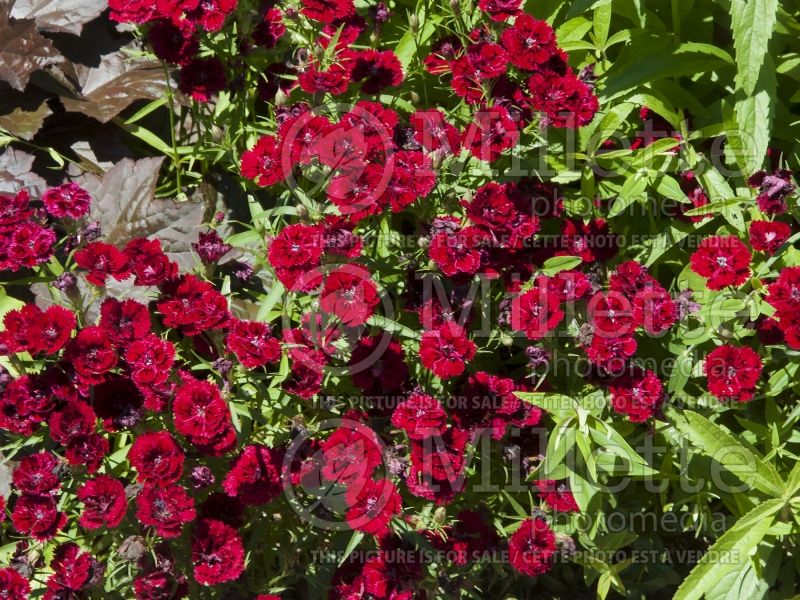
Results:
x,y
23,50
16,173
102,92
64,16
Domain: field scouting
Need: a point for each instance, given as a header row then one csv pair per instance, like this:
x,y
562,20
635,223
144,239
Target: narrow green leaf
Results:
x,y
730,552
609,124
752,22
631,192
602,23
275,295
725,449
355,540
753,114
558,405
393,327
714,207
793,481
669,187
555,265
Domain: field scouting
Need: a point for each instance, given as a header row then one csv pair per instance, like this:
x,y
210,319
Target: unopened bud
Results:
x,y
202,477
280,97
455,6
565,543
413,22
65,282
223,366
132,548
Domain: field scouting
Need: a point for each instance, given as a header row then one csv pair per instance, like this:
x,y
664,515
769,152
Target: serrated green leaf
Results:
x,y
721,446
753,116
730,552
752,22
601,24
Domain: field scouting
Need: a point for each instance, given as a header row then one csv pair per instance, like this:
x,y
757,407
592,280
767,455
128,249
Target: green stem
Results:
x,y
175,156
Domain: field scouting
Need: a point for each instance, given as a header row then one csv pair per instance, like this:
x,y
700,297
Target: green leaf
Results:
x,y
651,59
559,444
559,405
393,327
515,505
408,45
605,436
725,449
730,552
602,23
7,304
580,6
146,110
147,136
631,192
555,265
355,540
793,481
667,240
276,294
717,188
662,104
780,379
681,369
244,238
573,30
609,124
582,490
645,156
714,207
669,187
753,117
752,22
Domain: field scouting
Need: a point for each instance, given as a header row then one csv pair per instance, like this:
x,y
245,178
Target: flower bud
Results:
x,y
202,477
565,543
280,97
